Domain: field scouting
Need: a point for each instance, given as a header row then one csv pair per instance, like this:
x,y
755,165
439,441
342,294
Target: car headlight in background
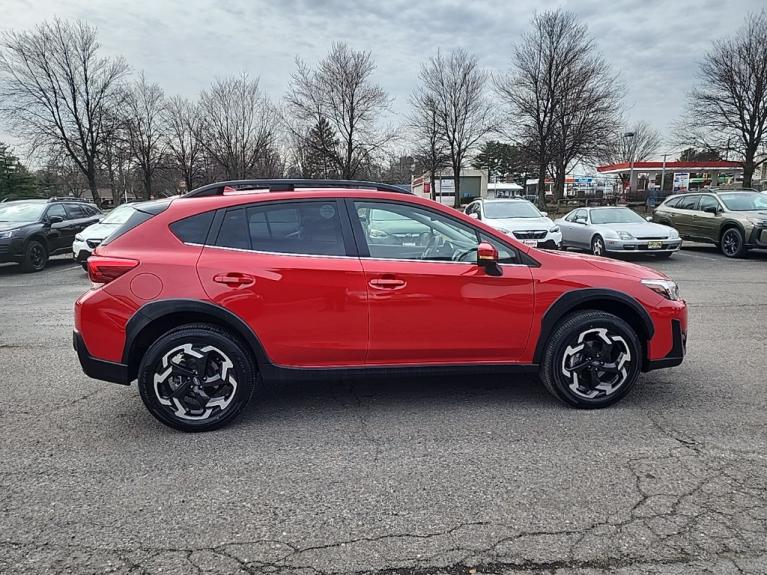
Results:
x,y
673,234
6,235
504,231
666,288
755,221
554,230
625,236
79,238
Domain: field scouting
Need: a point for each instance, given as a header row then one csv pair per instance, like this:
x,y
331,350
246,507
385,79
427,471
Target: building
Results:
x,y
644,177
473,185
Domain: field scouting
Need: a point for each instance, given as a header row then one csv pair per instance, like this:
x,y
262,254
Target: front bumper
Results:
x,y
643,246
11,250
758,237
550,241
81,251
678,350
99,368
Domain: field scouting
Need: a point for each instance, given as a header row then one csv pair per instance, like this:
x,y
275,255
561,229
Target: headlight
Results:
x,y
79,238
673,234
503,230
625,236
554,230
755,221
6,235
666,288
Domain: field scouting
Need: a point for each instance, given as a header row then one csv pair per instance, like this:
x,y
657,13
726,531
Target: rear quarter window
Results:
x,y
194,229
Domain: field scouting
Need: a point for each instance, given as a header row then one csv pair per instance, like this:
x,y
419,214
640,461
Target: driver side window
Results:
x,y
407,232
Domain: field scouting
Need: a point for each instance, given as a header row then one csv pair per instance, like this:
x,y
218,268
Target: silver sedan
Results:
x,y
612,230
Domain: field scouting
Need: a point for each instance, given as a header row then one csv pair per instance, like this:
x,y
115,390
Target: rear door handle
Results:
x,y
235,279
387,283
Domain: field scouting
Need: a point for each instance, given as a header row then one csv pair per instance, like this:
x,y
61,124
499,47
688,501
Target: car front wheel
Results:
x,y
35,257
591,360
732,244
598,246
197,377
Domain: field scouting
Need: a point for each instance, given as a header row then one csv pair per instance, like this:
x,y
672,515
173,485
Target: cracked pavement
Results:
x,y
440,476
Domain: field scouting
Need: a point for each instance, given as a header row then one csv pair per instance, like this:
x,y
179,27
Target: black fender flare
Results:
x,y
579,298
155,310
727,224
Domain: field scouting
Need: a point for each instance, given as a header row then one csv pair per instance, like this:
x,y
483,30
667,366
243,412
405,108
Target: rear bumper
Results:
x,y
678,349
99,368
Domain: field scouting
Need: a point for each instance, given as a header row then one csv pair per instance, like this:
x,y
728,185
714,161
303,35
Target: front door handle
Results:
x,y
235,279
387,283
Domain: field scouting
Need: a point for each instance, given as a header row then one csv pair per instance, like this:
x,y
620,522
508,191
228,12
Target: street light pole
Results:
x,y
663,174
628,135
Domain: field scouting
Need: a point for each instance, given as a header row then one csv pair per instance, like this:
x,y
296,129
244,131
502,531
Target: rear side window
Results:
x,y
194,229
311,228
672,202
688,202
76,211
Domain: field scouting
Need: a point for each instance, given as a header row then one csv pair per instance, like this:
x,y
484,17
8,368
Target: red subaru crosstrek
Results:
x,y
199,298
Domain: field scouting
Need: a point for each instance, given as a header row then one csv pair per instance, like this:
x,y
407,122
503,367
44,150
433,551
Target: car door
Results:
x,y
436,305
287,268
60,232
567,226
581,232
78,218
705,224
683,214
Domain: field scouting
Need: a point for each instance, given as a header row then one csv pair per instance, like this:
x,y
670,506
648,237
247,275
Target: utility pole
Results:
x,y
663,173
627,136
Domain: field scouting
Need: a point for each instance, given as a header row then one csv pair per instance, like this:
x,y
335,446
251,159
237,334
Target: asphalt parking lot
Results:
x,y
437,476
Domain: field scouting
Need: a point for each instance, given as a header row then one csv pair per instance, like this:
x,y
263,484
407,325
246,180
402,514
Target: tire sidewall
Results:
x,y
739,235
599,239
27,264
243,365
567,334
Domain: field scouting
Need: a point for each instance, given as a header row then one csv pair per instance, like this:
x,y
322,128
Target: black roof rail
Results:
x,y
289,185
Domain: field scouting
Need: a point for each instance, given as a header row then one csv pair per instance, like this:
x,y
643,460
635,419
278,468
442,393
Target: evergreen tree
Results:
x,y
321,159
15,179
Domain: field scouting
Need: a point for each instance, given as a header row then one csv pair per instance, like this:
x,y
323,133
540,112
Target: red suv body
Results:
x,y
199,297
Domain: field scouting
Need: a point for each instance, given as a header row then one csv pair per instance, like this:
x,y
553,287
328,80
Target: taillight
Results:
x,y
104,269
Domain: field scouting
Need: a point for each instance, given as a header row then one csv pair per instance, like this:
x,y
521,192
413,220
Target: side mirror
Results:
x,y
649,218
711,210
486,254
55,219
545,214
474,215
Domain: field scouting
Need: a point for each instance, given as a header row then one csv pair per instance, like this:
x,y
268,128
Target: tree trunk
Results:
x,y
457,186
542,183
560,183
432,187
749,166
148,185
93,187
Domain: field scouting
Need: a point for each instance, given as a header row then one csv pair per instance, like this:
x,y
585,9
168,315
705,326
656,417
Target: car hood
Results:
x,y
98,231
5,226
613,266
520,224
639,229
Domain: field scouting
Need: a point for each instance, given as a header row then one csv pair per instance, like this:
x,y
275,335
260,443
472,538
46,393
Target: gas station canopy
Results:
x,y
657,167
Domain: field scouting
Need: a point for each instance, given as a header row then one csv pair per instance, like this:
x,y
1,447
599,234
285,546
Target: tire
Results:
x,y
664,256
188,350
598,246
35,257
588,338
732,244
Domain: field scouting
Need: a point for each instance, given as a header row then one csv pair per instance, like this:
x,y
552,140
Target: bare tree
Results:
x,y
182,130
728,109
536,87
586,112
340,90
639,147
430,151
56,90
144,108
237,126
455,86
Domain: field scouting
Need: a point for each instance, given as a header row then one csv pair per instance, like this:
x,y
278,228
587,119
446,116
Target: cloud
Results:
x,y
654,44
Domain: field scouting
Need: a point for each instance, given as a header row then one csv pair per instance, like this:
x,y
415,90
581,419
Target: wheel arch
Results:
x,y
617,303
156,318
727,224
40,237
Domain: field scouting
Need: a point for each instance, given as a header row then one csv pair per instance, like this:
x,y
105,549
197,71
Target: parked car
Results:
x,y
33,230
518,218
734,220
615,229
199,298
87,240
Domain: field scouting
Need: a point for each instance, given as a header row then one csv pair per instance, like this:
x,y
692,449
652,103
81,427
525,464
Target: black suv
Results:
x,y
33,230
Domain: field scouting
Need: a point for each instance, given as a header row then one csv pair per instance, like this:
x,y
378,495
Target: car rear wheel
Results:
x,y
591,360
197,377
35,257
732,244
598,246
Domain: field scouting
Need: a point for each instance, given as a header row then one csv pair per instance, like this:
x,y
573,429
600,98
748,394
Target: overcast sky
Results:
x,y
182,45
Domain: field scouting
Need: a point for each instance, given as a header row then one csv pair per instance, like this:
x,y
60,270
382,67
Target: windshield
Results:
x,y
615,216
742,201
514,209
21,212
119,215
